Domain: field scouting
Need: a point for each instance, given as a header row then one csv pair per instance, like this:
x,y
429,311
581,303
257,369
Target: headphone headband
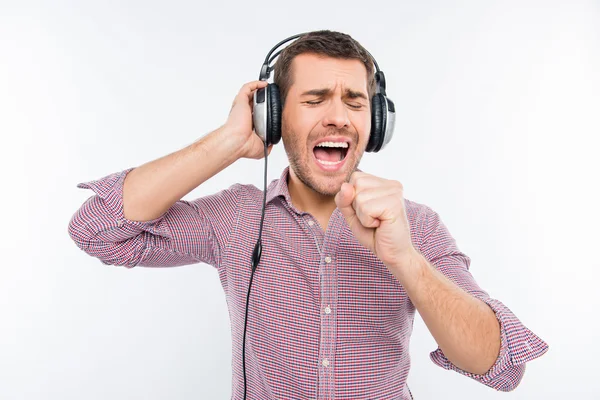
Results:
x,y
265,71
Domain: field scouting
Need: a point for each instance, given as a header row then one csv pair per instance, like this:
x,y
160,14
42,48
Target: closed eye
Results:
x,y
316,102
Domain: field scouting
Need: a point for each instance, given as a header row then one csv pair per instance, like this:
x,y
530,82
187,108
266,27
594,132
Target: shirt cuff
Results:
x,y
518,345
110,190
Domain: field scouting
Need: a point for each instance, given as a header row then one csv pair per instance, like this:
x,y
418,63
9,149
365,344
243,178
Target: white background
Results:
x,y
497,130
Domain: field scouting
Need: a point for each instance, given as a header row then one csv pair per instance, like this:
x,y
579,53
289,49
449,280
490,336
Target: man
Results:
x,y
346,259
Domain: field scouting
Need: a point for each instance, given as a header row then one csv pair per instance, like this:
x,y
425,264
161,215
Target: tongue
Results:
x,y
328,154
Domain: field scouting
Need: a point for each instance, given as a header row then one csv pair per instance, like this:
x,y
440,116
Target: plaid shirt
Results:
x,y
326,320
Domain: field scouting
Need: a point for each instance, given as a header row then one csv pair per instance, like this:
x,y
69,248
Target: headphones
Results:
x,y
267,125
267,107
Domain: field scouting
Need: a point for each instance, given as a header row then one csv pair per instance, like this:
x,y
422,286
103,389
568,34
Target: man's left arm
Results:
x,y
465,328
477,336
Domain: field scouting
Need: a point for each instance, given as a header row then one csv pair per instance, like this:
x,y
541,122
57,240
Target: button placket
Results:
x,y
315,233
329,293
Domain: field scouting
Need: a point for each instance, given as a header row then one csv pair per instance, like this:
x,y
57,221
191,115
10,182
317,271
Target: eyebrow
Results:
x,y
353,94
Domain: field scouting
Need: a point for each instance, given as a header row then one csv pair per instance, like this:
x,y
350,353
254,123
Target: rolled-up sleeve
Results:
x,y
189,232
518,344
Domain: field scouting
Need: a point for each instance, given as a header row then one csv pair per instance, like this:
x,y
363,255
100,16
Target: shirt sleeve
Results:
x,y
189,232
518,344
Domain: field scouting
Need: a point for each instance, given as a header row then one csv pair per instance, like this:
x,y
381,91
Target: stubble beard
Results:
x,y
300,163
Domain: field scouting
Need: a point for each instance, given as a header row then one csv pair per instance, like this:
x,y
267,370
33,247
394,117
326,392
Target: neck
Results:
x,y
307,200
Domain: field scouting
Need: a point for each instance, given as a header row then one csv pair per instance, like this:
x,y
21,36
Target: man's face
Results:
x,y
325,102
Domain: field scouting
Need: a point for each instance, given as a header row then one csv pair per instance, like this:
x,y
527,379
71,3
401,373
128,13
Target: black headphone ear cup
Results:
x,y
273,115
377,122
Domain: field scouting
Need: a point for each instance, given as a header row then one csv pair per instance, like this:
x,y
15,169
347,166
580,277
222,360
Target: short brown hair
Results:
x,y
327,43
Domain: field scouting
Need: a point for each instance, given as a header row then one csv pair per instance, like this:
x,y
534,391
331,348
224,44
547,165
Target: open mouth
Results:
x,y
330,153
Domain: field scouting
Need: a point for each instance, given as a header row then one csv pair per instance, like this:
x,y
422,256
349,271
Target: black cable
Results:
x,y
265,73
255,260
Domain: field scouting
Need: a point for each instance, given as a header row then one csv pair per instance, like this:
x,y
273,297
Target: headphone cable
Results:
x,y
255,260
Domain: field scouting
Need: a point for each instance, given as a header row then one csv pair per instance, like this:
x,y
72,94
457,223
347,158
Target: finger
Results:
x,y
364,215
367,194
371,188
246,93
250,87
356,175
375,185
248,90
378,210
343,200
362,180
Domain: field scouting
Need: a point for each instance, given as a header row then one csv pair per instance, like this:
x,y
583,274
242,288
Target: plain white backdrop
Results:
x,y
498,117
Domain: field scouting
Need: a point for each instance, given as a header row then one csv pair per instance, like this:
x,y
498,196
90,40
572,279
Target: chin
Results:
x,y
328,185
329,189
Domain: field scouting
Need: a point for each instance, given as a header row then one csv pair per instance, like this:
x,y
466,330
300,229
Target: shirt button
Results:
x,y
327,310
311,222
327,259
325,362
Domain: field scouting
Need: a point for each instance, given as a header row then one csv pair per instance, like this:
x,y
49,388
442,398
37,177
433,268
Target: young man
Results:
x,y
346,259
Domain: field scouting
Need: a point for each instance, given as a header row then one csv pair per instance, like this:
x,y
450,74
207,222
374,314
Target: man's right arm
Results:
x,y
150,190
137,216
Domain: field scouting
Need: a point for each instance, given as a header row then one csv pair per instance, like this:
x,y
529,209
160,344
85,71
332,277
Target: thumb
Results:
x,y
344,199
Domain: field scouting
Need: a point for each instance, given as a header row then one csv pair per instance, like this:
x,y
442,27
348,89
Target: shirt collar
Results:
x,y
279,187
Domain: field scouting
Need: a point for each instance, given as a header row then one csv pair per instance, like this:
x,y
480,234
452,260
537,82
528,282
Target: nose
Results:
x,y
336,115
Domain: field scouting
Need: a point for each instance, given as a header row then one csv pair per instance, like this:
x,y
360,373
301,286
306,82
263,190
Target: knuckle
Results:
x,y
359,182
366,220
360,198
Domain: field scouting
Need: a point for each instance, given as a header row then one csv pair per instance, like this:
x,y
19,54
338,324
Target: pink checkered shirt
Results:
x,y
327,320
